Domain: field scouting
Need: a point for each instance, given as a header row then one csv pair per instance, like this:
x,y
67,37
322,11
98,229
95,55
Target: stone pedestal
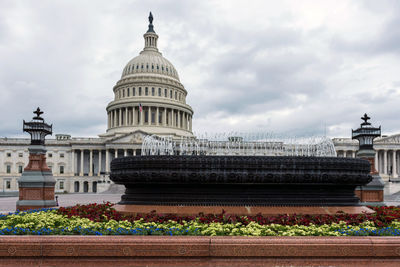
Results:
x,y
371,193
36,185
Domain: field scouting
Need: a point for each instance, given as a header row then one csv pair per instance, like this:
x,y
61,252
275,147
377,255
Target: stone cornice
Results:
x,y
149,101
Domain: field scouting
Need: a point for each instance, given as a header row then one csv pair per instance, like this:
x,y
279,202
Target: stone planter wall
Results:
x,y
198,251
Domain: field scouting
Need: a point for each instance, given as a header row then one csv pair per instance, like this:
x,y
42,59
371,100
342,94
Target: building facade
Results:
x,y
387,157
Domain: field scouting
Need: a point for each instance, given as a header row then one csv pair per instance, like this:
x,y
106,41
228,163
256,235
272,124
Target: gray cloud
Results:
x,y
266,67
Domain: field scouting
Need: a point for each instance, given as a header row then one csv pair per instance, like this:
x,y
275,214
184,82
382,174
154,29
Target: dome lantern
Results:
x,y
150,37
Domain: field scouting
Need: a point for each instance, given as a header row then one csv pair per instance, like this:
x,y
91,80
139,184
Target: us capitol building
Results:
x,y
148,99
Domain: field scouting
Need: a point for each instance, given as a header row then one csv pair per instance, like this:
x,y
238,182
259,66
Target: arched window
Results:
x,y
76,186
86,186
94,187
159,91
146,91
140,91
152,91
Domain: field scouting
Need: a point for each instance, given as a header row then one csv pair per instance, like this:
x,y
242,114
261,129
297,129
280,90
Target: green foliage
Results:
x,y
52,223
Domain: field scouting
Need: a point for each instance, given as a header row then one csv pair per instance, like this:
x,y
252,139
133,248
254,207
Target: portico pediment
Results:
x,y
128,138
393,139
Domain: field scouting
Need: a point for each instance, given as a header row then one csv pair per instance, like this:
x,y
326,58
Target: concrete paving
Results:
x,y
7,204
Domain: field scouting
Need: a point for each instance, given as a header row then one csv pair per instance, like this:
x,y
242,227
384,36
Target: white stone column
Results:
x,y
119,116
157,115
114,118
179,118
81,170
394,164
134,152
115,153
164,122
385,171
73,162
91,162
133,116
107,161
190,123
148,115
100,159
125,152
353,154
376,160
126,116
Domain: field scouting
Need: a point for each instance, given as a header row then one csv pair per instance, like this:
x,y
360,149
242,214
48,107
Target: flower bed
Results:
x,y
102,219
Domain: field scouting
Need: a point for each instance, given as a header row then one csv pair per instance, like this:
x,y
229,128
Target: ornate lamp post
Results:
x,y
372,192
36,185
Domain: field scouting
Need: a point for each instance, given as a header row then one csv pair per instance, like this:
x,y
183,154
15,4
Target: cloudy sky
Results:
x,y
299,67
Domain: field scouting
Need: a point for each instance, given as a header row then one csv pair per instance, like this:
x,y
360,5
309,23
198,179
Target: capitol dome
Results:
x,y
150,62
149,96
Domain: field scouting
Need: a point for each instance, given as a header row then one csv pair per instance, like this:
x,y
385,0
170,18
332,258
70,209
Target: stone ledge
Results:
x,y
199,251
241,210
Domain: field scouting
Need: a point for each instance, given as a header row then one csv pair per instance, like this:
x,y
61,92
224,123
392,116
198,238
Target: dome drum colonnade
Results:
x,y
149,95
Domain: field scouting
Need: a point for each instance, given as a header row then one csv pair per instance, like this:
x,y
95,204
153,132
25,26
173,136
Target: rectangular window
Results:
x,y
152,91
8,184
19,169
159,91
165,93
61,155
51,168
140,91
146,92
61,169
50,155
61,184
20,155
8,168
8,155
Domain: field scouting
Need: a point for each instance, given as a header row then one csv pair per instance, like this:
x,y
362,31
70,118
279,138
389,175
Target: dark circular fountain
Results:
x,y
240,180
